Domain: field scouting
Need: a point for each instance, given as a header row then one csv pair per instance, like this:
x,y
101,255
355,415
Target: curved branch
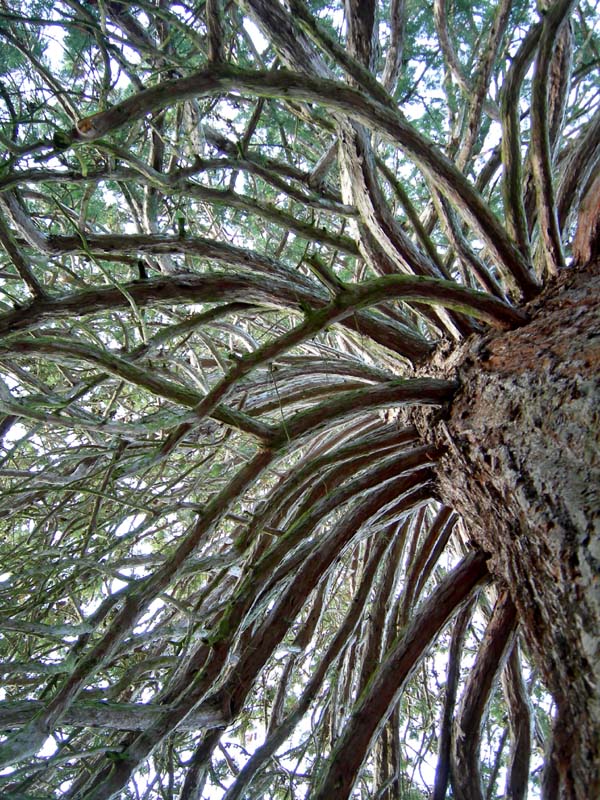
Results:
x,y
481,81
315,322
519,709
497,644
272,292
138,376
440,15
579,166
269,634
359,106
332,468
343,634
393,60
512,179
442,772
87,713
21,265
388,682
30,739
541,152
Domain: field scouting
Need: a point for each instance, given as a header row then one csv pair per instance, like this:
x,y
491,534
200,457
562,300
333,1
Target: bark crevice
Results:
x,y
522,465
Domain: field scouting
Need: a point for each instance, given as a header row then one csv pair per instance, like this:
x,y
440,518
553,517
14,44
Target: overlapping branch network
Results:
x,y
234,235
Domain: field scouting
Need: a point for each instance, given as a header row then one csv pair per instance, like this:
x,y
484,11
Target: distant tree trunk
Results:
x,y
523,467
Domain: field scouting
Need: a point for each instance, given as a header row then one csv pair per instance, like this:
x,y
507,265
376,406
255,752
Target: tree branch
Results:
x,y
387,684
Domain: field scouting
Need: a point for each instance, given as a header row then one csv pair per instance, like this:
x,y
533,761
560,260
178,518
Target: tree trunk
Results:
x,y
523,467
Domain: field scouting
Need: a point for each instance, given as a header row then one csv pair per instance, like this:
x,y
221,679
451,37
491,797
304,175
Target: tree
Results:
x,y
299,408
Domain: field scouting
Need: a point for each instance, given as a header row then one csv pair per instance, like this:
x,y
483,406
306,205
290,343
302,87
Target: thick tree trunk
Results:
x,y
523,467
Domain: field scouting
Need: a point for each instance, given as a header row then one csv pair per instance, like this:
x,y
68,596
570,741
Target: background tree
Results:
x,y
299,409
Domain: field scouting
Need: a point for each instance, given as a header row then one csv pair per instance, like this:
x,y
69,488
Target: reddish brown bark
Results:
x,y
523,467
586,244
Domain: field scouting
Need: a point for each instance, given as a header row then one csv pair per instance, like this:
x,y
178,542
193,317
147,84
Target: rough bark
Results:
x,y
522,466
